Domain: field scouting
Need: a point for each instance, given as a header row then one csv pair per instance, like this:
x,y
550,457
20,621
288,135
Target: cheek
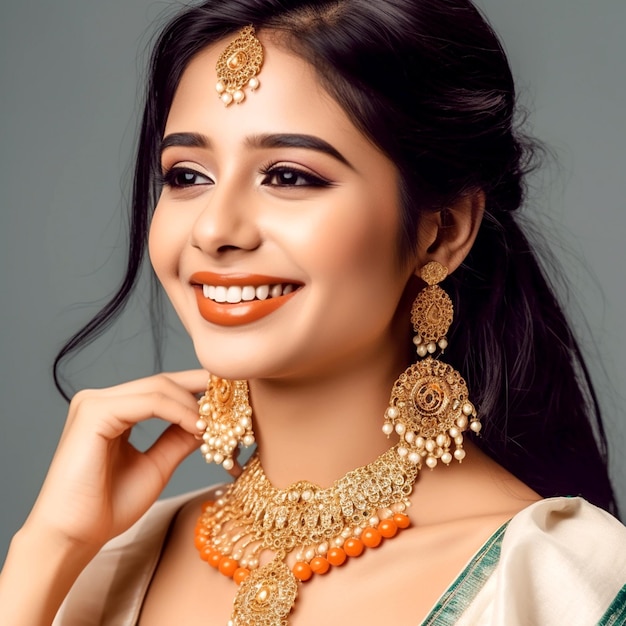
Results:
x,y
360,242
164,245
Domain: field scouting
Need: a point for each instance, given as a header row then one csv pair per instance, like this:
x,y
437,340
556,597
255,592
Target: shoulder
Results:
x,y
562,559
570,526
112,586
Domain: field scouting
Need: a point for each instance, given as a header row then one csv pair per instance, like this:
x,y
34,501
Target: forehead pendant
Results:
x,y
238,67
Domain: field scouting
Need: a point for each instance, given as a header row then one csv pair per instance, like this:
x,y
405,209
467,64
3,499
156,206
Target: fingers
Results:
x,y
190,381
170,450
170,397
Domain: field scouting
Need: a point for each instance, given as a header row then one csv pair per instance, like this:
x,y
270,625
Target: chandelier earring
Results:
x,y
225,421
429,406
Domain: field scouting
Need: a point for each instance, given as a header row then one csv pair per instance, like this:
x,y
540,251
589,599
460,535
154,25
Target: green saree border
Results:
x,y
470,581
616,614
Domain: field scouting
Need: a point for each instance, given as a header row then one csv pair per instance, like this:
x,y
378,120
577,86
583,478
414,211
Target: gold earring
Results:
x,y
225,420
429,406
238,67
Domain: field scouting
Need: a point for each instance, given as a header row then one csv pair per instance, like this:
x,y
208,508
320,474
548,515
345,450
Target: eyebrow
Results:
x,y
279,140
187,140
290,140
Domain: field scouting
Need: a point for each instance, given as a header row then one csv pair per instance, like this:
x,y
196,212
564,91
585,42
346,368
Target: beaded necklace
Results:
x,y
313,529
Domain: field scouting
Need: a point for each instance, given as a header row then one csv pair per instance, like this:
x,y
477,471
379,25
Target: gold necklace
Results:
x,y
252,531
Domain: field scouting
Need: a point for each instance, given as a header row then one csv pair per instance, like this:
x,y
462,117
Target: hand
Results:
x,y
99,484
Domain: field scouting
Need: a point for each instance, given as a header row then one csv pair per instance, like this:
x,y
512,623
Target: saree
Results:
x,y
559,561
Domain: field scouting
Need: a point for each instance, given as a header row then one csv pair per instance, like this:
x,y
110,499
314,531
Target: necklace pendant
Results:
x,y
266,597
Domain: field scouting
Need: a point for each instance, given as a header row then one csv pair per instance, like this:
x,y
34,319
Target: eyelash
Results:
x,y
311,180
171,177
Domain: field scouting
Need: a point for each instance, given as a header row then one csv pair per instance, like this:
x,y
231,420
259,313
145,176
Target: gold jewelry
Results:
x,y
429,407
305,529
238,67
225,420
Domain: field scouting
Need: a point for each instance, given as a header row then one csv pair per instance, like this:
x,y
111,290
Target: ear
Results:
x,y
448,235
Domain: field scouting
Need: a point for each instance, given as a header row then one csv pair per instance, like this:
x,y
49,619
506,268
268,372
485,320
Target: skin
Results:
x,y
320,365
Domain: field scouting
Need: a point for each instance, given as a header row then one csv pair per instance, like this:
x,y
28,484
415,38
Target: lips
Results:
x,y
234,300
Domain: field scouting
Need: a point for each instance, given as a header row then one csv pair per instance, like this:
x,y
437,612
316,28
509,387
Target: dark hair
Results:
x,y
430,84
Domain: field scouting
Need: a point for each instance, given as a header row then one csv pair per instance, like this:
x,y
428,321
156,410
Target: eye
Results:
x,y
288,176
181,177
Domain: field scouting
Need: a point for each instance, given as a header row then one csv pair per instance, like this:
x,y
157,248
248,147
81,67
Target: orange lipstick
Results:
x,y
238,299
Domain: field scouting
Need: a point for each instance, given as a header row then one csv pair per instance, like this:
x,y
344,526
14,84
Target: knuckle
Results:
x,y
159,397
80,397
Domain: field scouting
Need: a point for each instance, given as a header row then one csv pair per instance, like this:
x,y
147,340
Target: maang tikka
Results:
x,y
429,407
238,67
225,421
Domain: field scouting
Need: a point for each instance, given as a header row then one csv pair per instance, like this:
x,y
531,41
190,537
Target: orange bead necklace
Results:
x,y
270,540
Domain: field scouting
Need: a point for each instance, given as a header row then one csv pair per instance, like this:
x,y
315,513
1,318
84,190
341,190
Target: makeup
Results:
x,y
238,299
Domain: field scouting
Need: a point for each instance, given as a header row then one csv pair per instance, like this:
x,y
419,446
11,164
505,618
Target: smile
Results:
x,y
234,294
235,300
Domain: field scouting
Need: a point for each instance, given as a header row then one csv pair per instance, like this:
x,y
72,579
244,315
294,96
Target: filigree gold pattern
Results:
x,y
429,406
433,273
431,314
266,597
225,420
238,67
253,520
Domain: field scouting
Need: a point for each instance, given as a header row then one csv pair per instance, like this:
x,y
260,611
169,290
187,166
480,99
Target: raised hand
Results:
x,y
98,485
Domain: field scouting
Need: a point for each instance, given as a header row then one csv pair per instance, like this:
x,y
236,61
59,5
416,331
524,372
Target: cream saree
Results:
x,y
559,562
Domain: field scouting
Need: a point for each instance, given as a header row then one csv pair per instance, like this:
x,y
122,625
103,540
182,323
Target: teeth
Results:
x,y
235,294
248,293
220,293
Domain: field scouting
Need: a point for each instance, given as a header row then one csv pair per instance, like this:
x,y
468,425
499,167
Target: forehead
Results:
x,y
290,99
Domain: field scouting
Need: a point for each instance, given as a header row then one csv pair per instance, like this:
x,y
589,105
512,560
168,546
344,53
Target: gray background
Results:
x,y
69,76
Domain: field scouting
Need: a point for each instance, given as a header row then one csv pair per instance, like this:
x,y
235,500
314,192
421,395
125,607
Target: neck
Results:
x,y
320,428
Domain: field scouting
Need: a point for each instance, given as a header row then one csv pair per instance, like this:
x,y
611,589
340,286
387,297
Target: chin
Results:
x,y
227,360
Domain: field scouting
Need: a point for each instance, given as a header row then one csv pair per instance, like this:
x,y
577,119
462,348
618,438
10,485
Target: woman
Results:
x,y
357,154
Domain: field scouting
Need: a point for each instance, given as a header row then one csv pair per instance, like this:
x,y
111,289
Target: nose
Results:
x,y
227,222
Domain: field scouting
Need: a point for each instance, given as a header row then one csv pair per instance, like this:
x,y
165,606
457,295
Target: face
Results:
x,y
276,233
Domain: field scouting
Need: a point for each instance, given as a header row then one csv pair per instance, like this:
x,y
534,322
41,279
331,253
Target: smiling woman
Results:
x,y
312,178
